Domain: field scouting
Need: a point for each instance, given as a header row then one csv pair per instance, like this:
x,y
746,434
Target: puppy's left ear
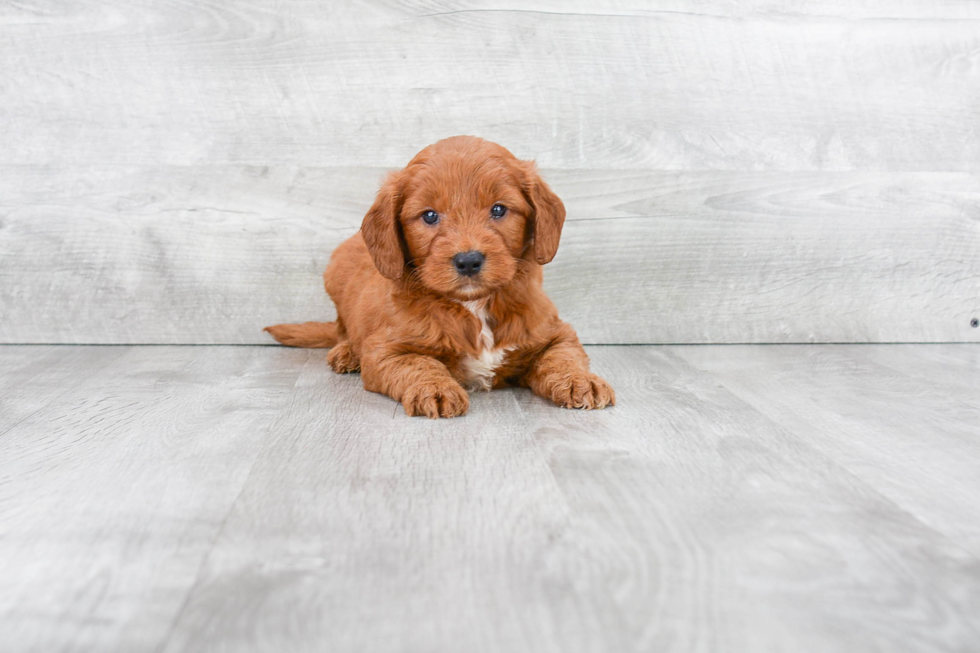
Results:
x,y
549,214
381,230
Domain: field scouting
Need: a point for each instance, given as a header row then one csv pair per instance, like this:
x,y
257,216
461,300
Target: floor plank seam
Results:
x,y
817,455
270,435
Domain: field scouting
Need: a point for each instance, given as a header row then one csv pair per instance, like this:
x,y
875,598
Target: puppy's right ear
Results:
x,y
381,230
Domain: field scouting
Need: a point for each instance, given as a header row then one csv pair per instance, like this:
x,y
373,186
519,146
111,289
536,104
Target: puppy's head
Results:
x,y
460,216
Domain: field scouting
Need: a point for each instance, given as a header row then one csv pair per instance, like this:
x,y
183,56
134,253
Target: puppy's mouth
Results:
x,y
470,287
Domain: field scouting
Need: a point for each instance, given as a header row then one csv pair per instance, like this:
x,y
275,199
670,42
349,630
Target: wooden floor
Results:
x,y
739,498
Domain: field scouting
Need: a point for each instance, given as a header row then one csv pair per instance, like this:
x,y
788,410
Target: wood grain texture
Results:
x,y
743,499
111,495
178,172
671,85
379,532
205,254
703,523
33,377
886,402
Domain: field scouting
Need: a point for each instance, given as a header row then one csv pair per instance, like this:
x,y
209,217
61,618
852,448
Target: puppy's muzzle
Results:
x,y
468,264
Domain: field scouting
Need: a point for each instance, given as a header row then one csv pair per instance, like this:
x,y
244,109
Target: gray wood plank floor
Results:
x,y
739,498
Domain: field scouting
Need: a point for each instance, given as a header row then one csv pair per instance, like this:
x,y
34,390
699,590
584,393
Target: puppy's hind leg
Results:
x,y
342,358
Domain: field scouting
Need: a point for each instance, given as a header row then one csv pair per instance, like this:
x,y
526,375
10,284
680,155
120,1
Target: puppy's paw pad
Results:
x,y
435,400
342,359
586,391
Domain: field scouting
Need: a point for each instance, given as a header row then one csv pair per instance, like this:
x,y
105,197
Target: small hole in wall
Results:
x,y
975,323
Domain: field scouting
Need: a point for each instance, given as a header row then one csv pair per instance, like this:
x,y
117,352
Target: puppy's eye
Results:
x,y
430,217
498,210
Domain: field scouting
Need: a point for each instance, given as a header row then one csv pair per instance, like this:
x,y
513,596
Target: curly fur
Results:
x,y
420,332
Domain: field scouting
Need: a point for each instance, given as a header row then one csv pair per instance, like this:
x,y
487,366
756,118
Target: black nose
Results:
x,y
468,263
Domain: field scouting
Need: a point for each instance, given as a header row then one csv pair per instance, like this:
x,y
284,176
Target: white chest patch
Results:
x,y
480,371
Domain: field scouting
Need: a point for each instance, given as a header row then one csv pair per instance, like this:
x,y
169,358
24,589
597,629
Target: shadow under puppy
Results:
x,y
441,288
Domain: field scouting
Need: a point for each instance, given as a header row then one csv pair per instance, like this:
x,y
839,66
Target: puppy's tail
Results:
x,y
307,334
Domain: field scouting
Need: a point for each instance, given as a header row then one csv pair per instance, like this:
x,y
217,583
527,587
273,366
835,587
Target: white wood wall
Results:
x,y
760,171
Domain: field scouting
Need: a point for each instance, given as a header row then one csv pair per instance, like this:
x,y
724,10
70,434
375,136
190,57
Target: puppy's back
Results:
x,y
350,268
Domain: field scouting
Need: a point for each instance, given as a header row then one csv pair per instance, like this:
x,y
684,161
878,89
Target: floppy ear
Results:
x,y
381,230
549,214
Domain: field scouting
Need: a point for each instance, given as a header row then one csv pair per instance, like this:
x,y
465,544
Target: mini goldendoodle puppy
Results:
x,y
440,290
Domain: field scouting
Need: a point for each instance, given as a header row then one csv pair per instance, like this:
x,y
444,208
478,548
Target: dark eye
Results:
x,y
430,217
498,210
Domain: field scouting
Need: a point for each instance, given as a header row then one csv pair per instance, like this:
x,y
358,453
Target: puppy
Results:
x,y
441,288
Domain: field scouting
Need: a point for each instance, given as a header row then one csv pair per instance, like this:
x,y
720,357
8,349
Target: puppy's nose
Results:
x,y
468,263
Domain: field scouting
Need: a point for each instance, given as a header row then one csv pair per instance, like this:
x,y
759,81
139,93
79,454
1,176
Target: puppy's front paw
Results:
x,y
580,390
436,399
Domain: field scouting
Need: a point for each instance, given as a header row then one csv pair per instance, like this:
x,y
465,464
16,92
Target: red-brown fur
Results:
x,y
398,295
